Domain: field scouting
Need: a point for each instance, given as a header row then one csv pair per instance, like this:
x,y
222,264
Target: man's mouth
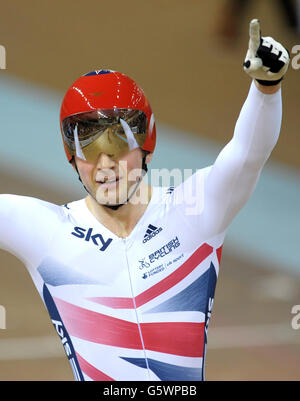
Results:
x,y
108,182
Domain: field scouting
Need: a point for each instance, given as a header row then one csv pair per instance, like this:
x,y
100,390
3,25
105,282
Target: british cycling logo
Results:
x,y
161,267
151,232
143,264
160,253
80,232
164,250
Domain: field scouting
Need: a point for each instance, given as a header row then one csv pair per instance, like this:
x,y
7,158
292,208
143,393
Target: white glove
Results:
x,y
266,60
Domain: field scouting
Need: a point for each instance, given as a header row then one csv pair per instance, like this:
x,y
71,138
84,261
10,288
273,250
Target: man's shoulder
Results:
x,y
190,178
73,204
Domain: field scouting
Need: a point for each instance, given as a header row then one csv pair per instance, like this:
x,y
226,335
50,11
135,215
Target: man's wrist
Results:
x,y
269,83
267,90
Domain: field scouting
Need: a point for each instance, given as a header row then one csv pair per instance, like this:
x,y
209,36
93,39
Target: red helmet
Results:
x,y
106,89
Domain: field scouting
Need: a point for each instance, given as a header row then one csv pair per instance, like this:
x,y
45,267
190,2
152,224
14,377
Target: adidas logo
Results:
x,y
170,190
151,232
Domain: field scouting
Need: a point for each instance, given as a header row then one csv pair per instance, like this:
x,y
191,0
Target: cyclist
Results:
x,y
128,274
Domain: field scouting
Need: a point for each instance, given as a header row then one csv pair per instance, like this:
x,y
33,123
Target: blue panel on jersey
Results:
x,y
193,298
97,72
55,274
63,334
167,371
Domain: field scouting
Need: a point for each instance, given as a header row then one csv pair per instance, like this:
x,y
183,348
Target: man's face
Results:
x,y
111,182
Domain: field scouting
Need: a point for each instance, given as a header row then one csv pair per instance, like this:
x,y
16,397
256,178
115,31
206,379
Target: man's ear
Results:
x,y
149,157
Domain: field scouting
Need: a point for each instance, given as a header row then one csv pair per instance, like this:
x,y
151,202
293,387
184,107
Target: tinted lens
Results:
x,y
114,132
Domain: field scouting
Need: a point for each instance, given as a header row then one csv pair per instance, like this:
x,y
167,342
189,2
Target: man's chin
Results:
x,y
109,199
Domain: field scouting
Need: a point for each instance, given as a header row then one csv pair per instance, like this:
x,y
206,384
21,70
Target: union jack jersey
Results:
x,y
138,308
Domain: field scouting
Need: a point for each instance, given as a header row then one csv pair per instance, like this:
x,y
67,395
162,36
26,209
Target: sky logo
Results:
x,y
97,239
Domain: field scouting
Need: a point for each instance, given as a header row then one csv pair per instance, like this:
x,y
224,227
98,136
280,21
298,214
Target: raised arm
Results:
x,y
233,177
236,170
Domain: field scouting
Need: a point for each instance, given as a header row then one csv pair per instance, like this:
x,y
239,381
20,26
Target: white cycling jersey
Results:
x,y
138,308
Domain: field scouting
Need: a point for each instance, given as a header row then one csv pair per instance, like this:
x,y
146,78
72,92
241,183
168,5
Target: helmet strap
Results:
x,y
79,175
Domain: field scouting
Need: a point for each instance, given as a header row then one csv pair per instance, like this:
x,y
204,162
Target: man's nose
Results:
x,y
105,161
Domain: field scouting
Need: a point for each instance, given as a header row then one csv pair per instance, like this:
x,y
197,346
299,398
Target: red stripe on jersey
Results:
x,y
91,371
97,327
178,338
184,338
115,303
219,253
174,278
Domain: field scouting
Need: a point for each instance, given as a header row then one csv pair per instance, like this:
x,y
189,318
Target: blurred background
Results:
x,y
187,56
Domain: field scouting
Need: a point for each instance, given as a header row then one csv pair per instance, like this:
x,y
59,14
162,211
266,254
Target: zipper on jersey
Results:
x,y
135,309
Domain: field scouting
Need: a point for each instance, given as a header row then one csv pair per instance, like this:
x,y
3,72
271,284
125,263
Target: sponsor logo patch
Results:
x,y
151,232
97,239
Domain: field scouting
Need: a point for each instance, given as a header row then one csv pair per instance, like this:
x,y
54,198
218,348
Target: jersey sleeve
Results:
x,y
224,188
27,227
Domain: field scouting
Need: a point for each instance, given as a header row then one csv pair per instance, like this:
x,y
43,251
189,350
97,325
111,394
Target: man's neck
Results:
x,y
123,220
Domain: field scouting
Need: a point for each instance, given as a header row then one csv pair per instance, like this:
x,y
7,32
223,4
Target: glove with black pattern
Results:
x,y
266,60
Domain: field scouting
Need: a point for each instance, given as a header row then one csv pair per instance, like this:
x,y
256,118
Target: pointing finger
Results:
x,y
254,41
